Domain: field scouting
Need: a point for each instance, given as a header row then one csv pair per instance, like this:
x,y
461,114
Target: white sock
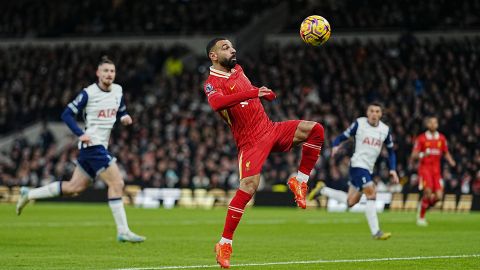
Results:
x,y
225,241
301,177
116,205
53,189
371,214
340,196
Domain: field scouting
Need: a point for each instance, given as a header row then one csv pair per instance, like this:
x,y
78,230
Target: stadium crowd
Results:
x,y
178,141
57,18
401,15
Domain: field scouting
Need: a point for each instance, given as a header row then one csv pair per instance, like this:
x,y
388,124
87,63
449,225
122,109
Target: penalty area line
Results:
x,y
311,262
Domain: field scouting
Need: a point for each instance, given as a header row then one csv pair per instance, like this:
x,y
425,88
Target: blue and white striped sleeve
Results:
x,y
122,110
68,115
350,131
392,158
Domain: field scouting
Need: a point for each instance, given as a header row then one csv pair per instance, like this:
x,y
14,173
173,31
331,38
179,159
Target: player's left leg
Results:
x,y
371,212
112,177
248,187
311,134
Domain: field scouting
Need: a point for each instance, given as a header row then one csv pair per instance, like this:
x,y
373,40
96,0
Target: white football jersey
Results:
x,y
368,142
99,111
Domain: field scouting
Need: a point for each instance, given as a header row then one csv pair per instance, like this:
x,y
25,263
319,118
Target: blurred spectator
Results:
x,y
58,18
177,141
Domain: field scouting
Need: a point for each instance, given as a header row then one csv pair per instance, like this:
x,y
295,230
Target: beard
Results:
x,y
228,63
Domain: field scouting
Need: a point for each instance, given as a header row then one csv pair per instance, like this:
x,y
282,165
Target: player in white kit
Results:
x,y
102,103
369,133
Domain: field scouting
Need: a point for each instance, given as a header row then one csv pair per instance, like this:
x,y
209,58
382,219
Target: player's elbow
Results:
x,y
216,107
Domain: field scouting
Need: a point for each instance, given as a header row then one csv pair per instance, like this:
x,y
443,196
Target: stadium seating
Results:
x,y
449,203
173,125
397,202
465,203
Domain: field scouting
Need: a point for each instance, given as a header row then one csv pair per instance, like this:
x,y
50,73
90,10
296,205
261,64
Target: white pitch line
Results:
x,y
311,262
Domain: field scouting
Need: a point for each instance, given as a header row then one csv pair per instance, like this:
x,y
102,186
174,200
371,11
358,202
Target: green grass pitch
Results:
x,y
82,236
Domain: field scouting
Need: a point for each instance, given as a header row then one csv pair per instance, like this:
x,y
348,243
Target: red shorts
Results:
x,y
430,179
280,139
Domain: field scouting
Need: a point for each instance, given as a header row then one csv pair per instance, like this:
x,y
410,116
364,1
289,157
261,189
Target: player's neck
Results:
x,y
103,87
219,67
373,124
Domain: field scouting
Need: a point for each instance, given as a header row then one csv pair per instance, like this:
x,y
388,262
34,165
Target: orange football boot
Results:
x,y
223,252
300,191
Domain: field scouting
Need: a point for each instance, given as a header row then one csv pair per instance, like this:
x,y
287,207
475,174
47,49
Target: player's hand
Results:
x,y
271,96
394,176
85,139
335,150
126,120
452,163
264,91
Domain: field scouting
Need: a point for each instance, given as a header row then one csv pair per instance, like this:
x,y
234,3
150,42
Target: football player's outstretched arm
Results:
x,y
219,102
350,131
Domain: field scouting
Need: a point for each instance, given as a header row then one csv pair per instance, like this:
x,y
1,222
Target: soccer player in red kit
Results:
x,y
429,148
232,95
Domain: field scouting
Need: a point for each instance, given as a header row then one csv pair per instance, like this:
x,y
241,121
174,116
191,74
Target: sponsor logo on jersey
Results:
x,y
107,113
372,142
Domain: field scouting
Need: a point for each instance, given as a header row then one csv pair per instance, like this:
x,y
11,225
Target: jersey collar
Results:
x,y
431,135
219,73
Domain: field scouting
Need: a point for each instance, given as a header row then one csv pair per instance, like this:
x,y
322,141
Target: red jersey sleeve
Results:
x,y
418,146
218,101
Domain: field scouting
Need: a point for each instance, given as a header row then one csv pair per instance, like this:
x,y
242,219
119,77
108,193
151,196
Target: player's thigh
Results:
x,y
251,159
79,181
353,196
111,175
250,184
284,135
438,186
360,178
426,180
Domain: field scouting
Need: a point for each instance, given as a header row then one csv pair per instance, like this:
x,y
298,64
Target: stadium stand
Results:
x,y
177,141
33,19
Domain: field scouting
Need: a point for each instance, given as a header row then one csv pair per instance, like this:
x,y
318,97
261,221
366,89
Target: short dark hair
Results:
x,y
105,60
376,103
212,43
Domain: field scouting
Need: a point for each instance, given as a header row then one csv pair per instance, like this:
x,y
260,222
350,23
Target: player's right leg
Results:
x,y
78,183
112,177
371,213
425,203
223,249
311,134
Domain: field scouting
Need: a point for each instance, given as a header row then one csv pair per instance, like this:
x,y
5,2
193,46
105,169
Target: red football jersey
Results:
x,y
433,146
247,119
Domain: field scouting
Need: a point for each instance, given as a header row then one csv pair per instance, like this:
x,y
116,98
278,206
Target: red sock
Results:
x,y
311,149
424,207
235,212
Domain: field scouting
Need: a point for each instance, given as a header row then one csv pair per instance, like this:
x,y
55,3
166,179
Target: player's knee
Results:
x,y
351,202
118,185
318,130
249,185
